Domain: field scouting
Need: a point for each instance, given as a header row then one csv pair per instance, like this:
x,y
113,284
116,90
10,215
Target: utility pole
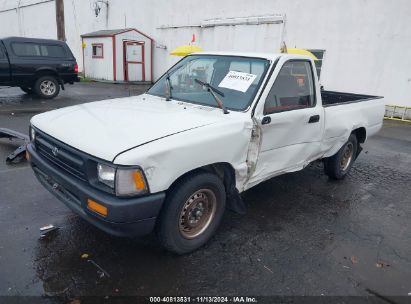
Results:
x,y
18,10
61,32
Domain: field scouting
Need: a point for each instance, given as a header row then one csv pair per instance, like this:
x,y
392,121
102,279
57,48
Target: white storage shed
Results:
x,y
118,55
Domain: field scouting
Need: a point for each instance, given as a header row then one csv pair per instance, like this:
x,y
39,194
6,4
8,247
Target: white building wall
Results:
x,y
366,41
36,26
9,18
30,19
98,68
264,37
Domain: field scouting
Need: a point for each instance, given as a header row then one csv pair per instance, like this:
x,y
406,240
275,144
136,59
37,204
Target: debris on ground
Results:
x,y
47,230
381,264
268,269
56,293
19,154
354,260
46,227
101,272
84,256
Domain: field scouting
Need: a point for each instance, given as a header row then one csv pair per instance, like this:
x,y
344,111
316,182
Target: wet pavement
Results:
x,y
302,235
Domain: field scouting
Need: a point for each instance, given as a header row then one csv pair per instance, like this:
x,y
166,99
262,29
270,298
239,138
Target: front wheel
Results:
x,y
192,212
47,87
338,165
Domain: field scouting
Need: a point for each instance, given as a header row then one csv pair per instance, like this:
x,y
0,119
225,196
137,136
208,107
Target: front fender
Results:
x,y
167,159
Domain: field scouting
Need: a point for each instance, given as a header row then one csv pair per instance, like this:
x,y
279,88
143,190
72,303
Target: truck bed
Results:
x,y
332,98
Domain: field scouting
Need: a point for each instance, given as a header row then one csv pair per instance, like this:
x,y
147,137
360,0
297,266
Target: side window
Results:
x,y
55,51
293,88
24,49
97,50
1,53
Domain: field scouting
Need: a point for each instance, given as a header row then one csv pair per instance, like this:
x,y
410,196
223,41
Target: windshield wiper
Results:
x,y
168,87
212,89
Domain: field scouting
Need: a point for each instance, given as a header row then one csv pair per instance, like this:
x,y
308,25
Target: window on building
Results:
x,y
293,88
318,63
98,50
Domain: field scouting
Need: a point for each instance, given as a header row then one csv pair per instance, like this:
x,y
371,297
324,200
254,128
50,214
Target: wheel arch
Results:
x,y
361,134
226,172
45,72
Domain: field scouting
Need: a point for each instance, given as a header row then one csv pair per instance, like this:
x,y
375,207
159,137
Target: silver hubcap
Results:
x,y
197,213
347,156
47,87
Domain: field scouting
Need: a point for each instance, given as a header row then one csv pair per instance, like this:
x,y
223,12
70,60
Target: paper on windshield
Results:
x,y
238,81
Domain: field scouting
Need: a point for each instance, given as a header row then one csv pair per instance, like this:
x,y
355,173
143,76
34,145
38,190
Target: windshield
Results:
x,y
237,77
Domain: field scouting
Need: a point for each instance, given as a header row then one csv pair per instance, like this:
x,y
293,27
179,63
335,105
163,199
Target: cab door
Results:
x,y
4,66
291,121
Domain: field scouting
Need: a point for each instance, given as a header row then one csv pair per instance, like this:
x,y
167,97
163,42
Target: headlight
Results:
x,y
130,182
32,134
106,174
124,180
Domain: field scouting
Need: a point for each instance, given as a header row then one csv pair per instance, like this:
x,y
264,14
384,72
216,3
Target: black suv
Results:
x,y
37,66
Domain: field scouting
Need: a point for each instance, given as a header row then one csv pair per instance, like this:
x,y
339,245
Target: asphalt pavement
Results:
x,y
303,234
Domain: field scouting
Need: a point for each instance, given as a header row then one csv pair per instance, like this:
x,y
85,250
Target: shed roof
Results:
x,y
112,33
107,32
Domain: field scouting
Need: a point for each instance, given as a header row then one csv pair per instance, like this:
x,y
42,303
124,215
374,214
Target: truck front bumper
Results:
x,y
133,216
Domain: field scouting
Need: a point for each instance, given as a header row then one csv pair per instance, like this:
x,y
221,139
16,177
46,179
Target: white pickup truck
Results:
x,y
213,126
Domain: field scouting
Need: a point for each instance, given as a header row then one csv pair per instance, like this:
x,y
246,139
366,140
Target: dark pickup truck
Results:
x,y
37,66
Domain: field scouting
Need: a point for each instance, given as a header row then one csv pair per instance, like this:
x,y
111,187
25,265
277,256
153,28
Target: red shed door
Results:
x,y
134,61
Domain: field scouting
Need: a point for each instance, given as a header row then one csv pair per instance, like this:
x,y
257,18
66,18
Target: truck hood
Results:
x,y
106,128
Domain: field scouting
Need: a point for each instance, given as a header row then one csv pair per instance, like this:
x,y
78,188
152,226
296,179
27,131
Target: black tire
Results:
x,y
338,165
27,90
171,226
47,87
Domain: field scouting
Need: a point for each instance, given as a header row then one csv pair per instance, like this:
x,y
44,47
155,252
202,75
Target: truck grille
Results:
x,y
61,155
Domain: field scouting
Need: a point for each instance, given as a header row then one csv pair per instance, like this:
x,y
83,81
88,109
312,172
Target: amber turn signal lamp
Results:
x,y
96,207
139,180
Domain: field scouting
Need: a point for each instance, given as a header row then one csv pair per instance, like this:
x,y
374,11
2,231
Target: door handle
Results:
x,y
266,120
314,118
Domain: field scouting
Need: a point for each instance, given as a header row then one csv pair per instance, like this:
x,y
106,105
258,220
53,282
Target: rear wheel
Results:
x,y
27,90
192,212
47,87
338,165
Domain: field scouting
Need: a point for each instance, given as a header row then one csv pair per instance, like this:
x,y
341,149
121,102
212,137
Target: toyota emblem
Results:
x,y
55,151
